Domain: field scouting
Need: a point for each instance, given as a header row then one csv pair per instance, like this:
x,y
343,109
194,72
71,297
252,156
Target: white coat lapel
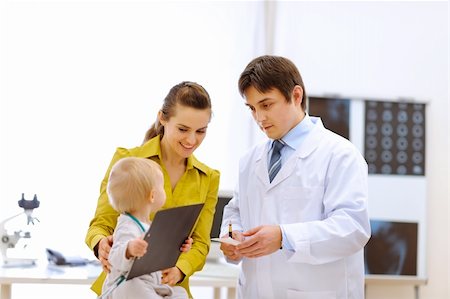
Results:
x,y
286,170
310,143
261,165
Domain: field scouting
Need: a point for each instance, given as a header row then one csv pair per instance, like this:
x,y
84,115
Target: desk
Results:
x,y
215,275
46,274
397,280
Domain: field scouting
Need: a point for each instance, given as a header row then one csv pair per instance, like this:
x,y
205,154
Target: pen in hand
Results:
x,y
230,230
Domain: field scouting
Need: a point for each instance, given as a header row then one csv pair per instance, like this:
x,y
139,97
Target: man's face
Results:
x,y
273,114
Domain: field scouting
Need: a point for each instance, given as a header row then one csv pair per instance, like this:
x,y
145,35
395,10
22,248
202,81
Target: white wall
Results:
x,y
383,50
80,78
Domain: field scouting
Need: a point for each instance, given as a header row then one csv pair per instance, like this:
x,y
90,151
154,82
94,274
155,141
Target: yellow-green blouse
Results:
x,y
199,184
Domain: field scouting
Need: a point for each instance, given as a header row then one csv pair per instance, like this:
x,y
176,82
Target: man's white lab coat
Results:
x,y
320,198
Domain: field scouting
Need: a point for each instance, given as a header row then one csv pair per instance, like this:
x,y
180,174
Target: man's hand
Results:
x,y
260,241
230,251
172,276
104,246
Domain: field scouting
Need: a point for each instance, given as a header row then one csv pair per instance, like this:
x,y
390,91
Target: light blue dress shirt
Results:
x,y
293,139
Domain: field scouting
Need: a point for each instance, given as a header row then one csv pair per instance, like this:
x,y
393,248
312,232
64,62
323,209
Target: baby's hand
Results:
x,y
187,245
136,248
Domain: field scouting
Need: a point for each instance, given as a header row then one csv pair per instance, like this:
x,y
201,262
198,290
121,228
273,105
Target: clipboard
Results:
x,y
169,229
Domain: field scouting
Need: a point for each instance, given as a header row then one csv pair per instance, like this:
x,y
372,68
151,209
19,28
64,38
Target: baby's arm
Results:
x,y
119,256
136,248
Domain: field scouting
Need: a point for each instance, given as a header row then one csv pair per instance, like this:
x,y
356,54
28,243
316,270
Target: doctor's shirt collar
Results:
x,y
297,134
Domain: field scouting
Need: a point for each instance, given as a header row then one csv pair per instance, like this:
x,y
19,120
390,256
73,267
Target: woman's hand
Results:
x,y
172,276
104,246
187,245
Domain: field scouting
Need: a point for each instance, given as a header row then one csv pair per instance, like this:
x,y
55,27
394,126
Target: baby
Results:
x,y
136,189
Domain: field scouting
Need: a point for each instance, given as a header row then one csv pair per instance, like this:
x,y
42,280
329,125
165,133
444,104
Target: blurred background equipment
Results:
x,y
10,240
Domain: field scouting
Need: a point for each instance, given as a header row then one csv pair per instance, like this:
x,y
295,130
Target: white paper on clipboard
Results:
x,y
226,241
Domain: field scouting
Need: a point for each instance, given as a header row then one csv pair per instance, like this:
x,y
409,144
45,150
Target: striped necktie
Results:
x,y
275,159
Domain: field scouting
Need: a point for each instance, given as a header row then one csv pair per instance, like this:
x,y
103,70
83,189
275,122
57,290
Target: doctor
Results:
x,y
300,206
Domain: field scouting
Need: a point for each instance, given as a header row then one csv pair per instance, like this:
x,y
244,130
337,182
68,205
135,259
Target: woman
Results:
x,y
178,131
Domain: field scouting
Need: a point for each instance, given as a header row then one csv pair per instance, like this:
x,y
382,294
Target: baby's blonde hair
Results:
x,y
130,183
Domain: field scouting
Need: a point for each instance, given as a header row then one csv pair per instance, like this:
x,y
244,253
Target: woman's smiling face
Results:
x,y
185,130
